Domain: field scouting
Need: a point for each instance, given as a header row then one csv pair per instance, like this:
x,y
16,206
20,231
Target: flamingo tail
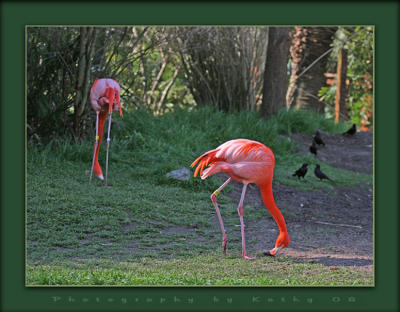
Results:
x,y
203,161
119,104
110,94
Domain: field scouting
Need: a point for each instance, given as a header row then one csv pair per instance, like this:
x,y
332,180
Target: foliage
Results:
x,y
223,65
359,43
157,67
51,77
140,59
150,71
163,69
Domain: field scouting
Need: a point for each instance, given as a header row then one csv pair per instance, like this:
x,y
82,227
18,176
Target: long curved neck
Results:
x,y
268,199
102,118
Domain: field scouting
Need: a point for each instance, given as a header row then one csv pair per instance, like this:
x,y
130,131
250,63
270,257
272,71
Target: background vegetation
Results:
x,y
359,43
167,68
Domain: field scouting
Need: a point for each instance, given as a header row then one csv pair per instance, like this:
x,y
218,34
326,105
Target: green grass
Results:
x,y
73,226
203,270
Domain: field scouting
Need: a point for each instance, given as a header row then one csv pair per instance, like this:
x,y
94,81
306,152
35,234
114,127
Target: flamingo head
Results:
x,y
283,240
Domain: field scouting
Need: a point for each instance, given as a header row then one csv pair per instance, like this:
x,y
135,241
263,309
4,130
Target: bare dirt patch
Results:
x,y
331,227
353,153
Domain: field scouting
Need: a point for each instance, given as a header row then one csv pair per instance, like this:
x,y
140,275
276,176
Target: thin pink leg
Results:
x,y
240,211
214,201
108,146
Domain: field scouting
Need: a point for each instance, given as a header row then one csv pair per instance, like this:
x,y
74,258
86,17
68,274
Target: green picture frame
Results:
x,y
16,15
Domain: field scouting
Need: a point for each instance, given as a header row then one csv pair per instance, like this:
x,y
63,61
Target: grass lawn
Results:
x,y
203,270
148,229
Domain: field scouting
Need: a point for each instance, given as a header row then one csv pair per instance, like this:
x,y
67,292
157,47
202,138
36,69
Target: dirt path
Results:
x,y
334,227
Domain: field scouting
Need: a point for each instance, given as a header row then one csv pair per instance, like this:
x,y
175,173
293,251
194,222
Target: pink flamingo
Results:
x,y
102,95
247,162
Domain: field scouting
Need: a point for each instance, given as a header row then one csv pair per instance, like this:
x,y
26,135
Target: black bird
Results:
x,y
351,131
319,174
318,139
313,149
301,172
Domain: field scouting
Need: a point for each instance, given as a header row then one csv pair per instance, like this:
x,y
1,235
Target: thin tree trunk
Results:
x,y
167,88
340,104
86,50
275,73
142,67
158,77
115,49
89,52
86,88
81,73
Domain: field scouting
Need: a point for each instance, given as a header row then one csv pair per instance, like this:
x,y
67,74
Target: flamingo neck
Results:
x,y
268,199
102,118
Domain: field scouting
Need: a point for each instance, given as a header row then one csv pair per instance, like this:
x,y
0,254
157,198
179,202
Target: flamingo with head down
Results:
x,y
104,97
247,162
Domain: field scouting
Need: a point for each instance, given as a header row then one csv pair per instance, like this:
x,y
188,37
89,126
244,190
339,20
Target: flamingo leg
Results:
x,y
108,145
95,146
240,212
214,201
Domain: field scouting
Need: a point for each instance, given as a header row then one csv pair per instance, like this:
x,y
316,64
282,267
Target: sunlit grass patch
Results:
x,y
203,270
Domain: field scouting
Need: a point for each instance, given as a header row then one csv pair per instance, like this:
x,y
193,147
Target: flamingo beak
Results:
x,y
100,177
273,251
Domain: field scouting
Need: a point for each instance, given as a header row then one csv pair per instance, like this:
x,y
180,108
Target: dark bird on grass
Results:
x,y
319,174
301,172
351,131
313,149
318,139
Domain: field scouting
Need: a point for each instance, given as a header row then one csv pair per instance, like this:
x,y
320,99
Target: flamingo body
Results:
x,y
244,161
105,91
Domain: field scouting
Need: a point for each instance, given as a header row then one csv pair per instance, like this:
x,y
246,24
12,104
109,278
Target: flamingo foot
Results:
x,y
273,251
247,257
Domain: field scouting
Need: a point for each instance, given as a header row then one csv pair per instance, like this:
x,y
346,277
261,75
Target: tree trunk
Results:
x,y
275,74
166,90
86,50
307,78
156,81
341,90
79,84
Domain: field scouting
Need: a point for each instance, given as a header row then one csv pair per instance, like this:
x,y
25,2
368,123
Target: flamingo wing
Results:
x,y
242,159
